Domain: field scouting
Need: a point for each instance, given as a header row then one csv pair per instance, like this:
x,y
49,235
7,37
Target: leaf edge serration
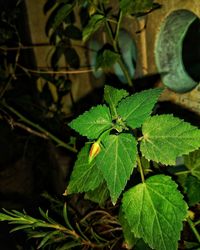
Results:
x,y
78,118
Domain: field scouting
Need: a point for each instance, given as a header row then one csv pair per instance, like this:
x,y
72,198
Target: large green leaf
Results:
x,y
117,161
192,162
113,96
166,137
95,22
93,122
85,176
155,210
135,109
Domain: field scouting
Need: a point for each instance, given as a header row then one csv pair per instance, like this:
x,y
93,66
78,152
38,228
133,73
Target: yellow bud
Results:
x,y
92,10
94,151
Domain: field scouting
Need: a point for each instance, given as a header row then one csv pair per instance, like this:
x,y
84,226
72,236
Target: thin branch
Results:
x,y
38,127
118,28
29,130
114,39
78,71
192,226
33,46
140,168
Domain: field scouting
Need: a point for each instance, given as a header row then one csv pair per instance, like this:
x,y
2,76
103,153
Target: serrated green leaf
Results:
x,y
117,161
166,137
93,122
84,176
136,6
95,22
135,109
106,59
155,211
113,96
98,195
62,14
192,162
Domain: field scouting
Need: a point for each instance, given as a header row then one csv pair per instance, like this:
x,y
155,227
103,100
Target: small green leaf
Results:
x,y
85,176
98,195
72,58
135,109
191,187
93,122
56,56
45,240
113,96
73,32
106,59
192,162
136,6
70,245
117,161
155,211
22,227
166,137
95,22
62,14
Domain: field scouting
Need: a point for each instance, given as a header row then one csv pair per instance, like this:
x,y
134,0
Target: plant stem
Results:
x,y
140,168
38,127
182,172
114,39
197,223
117,29
192,226
44,71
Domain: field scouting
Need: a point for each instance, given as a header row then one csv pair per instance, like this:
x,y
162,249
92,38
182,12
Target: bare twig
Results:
x,y
41,129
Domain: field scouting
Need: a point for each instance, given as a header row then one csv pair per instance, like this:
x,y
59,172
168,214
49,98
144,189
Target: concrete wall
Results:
x,y
146,45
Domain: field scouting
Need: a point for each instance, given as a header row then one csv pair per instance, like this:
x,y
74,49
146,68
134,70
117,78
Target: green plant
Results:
x,y
155,206
128,164
153,209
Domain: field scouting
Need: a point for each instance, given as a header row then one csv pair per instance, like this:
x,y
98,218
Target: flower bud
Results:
x,y
94,151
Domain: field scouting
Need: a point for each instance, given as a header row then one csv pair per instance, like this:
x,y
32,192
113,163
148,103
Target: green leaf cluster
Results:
x,y
72,232
154,209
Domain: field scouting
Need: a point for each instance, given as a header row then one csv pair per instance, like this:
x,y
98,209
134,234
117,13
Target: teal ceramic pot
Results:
x,y
169,51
